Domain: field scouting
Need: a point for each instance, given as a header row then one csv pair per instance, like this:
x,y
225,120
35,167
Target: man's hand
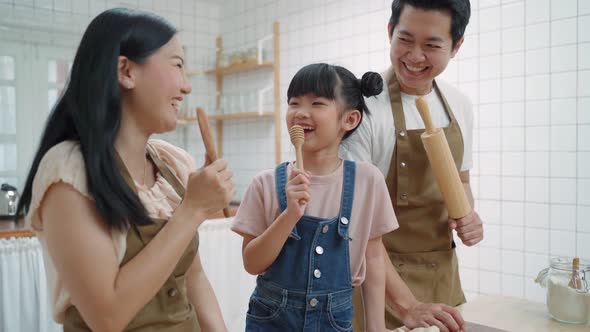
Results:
x,y
446,318
469,228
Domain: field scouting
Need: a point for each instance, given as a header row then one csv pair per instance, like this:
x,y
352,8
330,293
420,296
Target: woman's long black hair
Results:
x,y
90,109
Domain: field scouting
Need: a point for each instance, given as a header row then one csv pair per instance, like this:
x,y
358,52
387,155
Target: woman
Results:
x,y
116,212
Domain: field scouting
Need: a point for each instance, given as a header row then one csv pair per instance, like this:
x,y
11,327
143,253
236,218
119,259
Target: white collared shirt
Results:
x,y
374,139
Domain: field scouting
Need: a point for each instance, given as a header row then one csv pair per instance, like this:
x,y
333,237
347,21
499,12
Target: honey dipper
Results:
x,y
576,282
298,138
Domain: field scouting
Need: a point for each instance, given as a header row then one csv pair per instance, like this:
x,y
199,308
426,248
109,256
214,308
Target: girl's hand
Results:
x,y
297,189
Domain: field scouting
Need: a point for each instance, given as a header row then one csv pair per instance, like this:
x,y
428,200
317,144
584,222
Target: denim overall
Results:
x,y
309,286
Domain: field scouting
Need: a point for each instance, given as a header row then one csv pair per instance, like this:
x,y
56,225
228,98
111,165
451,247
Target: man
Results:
x,y
424,36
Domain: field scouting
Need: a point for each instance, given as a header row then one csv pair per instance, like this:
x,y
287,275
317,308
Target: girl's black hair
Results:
x,y
336,83
89,110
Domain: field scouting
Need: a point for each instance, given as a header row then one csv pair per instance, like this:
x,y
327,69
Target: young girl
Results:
x,y
116,212
308,257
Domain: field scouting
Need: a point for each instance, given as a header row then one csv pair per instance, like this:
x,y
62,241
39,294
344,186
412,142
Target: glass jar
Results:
x,y
251,54
567,301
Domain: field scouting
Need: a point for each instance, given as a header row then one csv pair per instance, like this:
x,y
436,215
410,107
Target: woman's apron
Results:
x,y
170,309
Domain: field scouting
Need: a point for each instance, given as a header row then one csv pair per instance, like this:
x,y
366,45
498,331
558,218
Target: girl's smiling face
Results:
x,y
322,119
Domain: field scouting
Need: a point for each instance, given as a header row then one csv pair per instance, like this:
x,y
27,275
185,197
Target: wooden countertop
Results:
x,y
512,314
10,229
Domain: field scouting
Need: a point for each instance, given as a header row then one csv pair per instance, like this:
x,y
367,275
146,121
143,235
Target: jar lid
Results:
x,y
565,264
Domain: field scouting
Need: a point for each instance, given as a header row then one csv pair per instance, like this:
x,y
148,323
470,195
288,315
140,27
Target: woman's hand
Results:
x,y
209,189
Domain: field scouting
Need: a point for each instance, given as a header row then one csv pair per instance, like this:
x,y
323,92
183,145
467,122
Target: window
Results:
x,y
57,76
8,150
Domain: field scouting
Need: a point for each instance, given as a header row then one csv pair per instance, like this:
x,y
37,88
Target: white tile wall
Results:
x,y
563,31
563,111
537,35
537,190
537,112
513,163
536,215
563,217
563,8
583,219
537,11
563,164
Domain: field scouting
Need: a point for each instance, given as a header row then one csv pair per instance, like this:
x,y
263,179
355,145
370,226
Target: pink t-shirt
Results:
x,y
372,212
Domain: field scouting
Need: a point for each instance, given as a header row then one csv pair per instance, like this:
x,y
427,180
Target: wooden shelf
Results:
x,y
184,121
240,67
193,73
244,115
220,71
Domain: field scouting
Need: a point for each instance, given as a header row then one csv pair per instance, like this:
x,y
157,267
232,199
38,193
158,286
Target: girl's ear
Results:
x,y
351,120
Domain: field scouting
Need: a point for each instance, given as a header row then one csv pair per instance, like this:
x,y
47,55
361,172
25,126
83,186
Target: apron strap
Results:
x,y
401,136
280,183
399,120
450,114
447,108
347,198
124,172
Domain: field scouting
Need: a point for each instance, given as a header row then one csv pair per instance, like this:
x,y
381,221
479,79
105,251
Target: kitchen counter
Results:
x,y
8,228
514,315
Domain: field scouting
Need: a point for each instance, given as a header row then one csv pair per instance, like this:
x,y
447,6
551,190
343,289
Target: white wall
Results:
x,y
532,161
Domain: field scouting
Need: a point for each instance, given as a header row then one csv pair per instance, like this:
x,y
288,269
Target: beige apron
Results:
x,y
169,309
422,249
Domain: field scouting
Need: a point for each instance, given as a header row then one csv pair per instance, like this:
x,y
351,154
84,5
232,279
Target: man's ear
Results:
x,y
457,46
125,73
389,31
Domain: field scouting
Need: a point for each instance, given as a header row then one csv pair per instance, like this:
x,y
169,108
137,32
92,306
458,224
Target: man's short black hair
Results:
x,y
460,11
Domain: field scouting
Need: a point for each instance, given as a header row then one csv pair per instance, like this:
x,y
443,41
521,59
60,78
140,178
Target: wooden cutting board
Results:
x,y
472,327
469,327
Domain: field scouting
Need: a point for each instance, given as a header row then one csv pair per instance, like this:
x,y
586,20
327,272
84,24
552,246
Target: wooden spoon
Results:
x,y
208,141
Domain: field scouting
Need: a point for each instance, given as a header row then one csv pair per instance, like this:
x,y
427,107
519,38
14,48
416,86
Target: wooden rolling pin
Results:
x,y
208,141
443,165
